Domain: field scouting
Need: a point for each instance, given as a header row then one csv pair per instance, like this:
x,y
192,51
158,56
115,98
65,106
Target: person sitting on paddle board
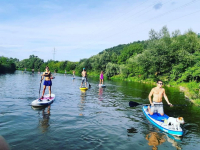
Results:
x,y
84,77
158,93
47,82
101,78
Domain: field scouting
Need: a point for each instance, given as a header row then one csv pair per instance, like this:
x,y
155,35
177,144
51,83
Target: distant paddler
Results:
x,y
47,82
73,73
84,77
101,78
33,71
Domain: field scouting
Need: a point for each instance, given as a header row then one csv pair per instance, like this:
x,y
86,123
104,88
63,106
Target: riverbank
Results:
x,y
191,89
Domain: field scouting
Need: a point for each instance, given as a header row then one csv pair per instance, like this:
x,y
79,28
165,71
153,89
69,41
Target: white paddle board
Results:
x,y
102,85
44,101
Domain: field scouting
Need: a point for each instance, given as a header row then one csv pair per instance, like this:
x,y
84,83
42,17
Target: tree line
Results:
x,y
7,64
170,56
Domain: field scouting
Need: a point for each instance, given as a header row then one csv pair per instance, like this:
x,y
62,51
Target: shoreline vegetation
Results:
x,y
7,65
173,58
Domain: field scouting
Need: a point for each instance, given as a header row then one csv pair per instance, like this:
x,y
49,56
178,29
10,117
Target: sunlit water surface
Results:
x,y
96,119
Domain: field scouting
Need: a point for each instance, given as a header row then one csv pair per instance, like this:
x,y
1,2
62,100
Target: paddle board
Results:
x,y
83,88
102,85
44,101
158,120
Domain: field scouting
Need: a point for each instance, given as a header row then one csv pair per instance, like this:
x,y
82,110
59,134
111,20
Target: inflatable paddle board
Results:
x,y
102,85
158,120
44,101
83,88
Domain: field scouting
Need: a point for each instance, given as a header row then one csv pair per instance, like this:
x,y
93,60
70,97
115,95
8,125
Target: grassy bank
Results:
x,y
191,89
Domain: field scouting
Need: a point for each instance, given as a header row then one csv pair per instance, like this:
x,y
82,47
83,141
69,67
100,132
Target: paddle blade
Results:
x,y
133,104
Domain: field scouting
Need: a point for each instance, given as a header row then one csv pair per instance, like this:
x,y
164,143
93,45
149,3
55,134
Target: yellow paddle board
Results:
x,y
83,88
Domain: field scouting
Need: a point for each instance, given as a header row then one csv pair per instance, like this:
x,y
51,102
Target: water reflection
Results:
x,y
100,93
131,131
44,121
173,140
155,139
82,102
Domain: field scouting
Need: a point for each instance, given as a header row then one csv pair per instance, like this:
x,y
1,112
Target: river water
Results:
x,y
98,119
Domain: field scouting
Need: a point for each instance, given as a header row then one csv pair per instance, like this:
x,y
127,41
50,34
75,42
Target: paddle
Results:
x,y
134,104
89,84
40,87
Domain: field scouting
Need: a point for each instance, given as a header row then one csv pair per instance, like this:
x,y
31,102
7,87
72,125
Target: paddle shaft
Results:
x,y
40,87
88,83
134,104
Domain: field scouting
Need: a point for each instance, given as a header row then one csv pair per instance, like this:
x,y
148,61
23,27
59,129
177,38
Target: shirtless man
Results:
x,y
157,92
84,77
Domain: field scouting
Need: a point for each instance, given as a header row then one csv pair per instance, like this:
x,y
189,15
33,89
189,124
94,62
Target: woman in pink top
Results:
x,y
101,78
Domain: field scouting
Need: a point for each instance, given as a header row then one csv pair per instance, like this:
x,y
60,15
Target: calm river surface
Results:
x,y
98,119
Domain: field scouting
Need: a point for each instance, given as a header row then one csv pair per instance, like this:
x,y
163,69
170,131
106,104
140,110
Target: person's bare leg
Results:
x,y
149,110
102,81
49,91
81,84
44,88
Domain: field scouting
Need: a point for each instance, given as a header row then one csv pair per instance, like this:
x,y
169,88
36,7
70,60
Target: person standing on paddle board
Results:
x,y
47,82
33,71
158,93
73,73
101,78
84,77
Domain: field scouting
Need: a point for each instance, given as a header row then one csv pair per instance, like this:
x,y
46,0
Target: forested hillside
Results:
x,y
170,56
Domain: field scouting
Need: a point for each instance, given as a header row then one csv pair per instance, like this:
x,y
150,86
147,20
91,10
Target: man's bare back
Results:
x,y
84,74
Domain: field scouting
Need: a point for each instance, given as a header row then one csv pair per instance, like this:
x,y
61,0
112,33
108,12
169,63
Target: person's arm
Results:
x,y
42,77
166,99
150,95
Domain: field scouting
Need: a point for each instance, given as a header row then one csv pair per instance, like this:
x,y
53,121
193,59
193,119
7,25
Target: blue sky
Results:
x,y
78,29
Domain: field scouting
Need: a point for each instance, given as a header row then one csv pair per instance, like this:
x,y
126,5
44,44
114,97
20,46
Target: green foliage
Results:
x,y
173,57
112,69
129,51
32,63
7,64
